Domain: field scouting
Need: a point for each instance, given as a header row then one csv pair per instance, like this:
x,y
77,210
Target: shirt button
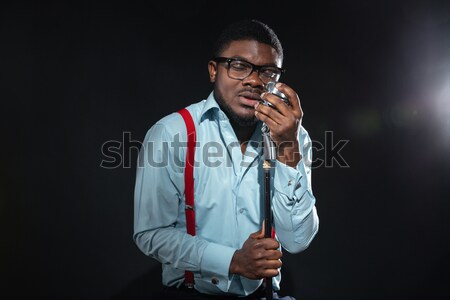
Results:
x,y
241,211
214,280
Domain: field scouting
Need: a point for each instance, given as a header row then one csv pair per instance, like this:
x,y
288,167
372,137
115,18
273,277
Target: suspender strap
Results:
x,y
189,184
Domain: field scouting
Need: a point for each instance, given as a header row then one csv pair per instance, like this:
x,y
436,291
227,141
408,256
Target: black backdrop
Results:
x,y
77,75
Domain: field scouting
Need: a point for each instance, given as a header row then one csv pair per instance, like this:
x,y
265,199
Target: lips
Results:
x,y
249,98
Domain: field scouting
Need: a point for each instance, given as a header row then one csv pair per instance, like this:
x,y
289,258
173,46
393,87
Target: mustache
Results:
x,y
252,91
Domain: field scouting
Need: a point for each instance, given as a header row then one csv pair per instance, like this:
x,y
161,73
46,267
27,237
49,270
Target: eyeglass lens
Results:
x,y
241,70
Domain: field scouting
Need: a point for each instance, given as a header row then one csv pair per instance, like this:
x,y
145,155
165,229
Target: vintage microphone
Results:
x,y
269,153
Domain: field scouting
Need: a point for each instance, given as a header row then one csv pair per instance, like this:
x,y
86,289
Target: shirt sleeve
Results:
x,y
158,201
295,215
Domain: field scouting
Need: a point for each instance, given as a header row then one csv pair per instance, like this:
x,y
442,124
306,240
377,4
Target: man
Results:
x,y
229,255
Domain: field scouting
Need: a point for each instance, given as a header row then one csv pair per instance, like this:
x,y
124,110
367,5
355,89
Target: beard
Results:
x,y
241,121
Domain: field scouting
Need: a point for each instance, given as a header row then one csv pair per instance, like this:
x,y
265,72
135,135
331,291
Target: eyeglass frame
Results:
x,y
256,68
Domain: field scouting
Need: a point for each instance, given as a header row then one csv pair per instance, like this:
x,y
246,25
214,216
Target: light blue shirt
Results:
x,y
229,191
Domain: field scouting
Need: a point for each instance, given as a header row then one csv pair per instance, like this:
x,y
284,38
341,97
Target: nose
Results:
x,y
253,80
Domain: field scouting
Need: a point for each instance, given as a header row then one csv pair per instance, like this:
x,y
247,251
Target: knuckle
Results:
x,y
258,264
257,244
275,131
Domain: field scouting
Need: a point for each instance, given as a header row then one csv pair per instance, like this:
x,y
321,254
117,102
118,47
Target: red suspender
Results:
x,y
189,184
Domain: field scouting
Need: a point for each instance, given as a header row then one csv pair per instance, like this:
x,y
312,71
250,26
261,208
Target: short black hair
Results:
x,y
247,30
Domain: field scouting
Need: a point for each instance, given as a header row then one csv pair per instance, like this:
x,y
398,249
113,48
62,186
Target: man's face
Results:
x,y
238,97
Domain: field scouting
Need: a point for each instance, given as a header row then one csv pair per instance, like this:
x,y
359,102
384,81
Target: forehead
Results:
x,y
252,51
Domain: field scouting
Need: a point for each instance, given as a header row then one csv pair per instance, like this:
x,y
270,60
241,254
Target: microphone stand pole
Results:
x,y
269,157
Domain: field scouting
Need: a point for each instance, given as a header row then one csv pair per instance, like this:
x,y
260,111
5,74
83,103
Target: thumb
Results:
x,y
258,234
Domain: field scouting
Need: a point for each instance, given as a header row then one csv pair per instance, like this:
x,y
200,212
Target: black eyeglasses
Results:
x,y
241,69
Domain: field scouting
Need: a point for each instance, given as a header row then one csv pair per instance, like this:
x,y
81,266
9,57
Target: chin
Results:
x,y
244,120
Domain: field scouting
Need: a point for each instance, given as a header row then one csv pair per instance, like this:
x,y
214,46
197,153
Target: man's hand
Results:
x,y
284,122
258,258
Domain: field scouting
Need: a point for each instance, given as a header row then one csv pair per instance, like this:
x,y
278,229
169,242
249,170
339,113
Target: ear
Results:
x,y
212,69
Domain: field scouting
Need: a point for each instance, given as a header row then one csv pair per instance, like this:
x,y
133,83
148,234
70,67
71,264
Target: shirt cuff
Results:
x,y
215,265
285,179
293,182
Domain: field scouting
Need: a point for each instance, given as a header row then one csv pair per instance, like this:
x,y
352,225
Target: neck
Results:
x,y
243,133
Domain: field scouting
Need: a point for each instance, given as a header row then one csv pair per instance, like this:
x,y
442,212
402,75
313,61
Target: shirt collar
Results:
x,y
212,108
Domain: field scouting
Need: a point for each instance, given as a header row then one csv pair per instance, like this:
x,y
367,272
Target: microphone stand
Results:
x,y
269,157
268,164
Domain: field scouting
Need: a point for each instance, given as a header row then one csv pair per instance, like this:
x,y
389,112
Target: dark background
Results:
x,y
76,75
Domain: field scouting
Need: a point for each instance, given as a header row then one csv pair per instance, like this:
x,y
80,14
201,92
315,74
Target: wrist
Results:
x,y
288,153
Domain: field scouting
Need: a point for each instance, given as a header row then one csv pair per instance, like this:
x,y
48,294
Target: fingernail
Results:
x,y
278,84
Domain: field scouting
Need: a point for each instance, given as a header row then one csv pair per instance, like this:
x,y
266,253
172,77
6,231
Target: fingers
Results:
x,y
276,102
263,228
267,244
269,114
273,264
272,255
280,107
258,234
270,273
259,257
294,100
267,263
268,268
